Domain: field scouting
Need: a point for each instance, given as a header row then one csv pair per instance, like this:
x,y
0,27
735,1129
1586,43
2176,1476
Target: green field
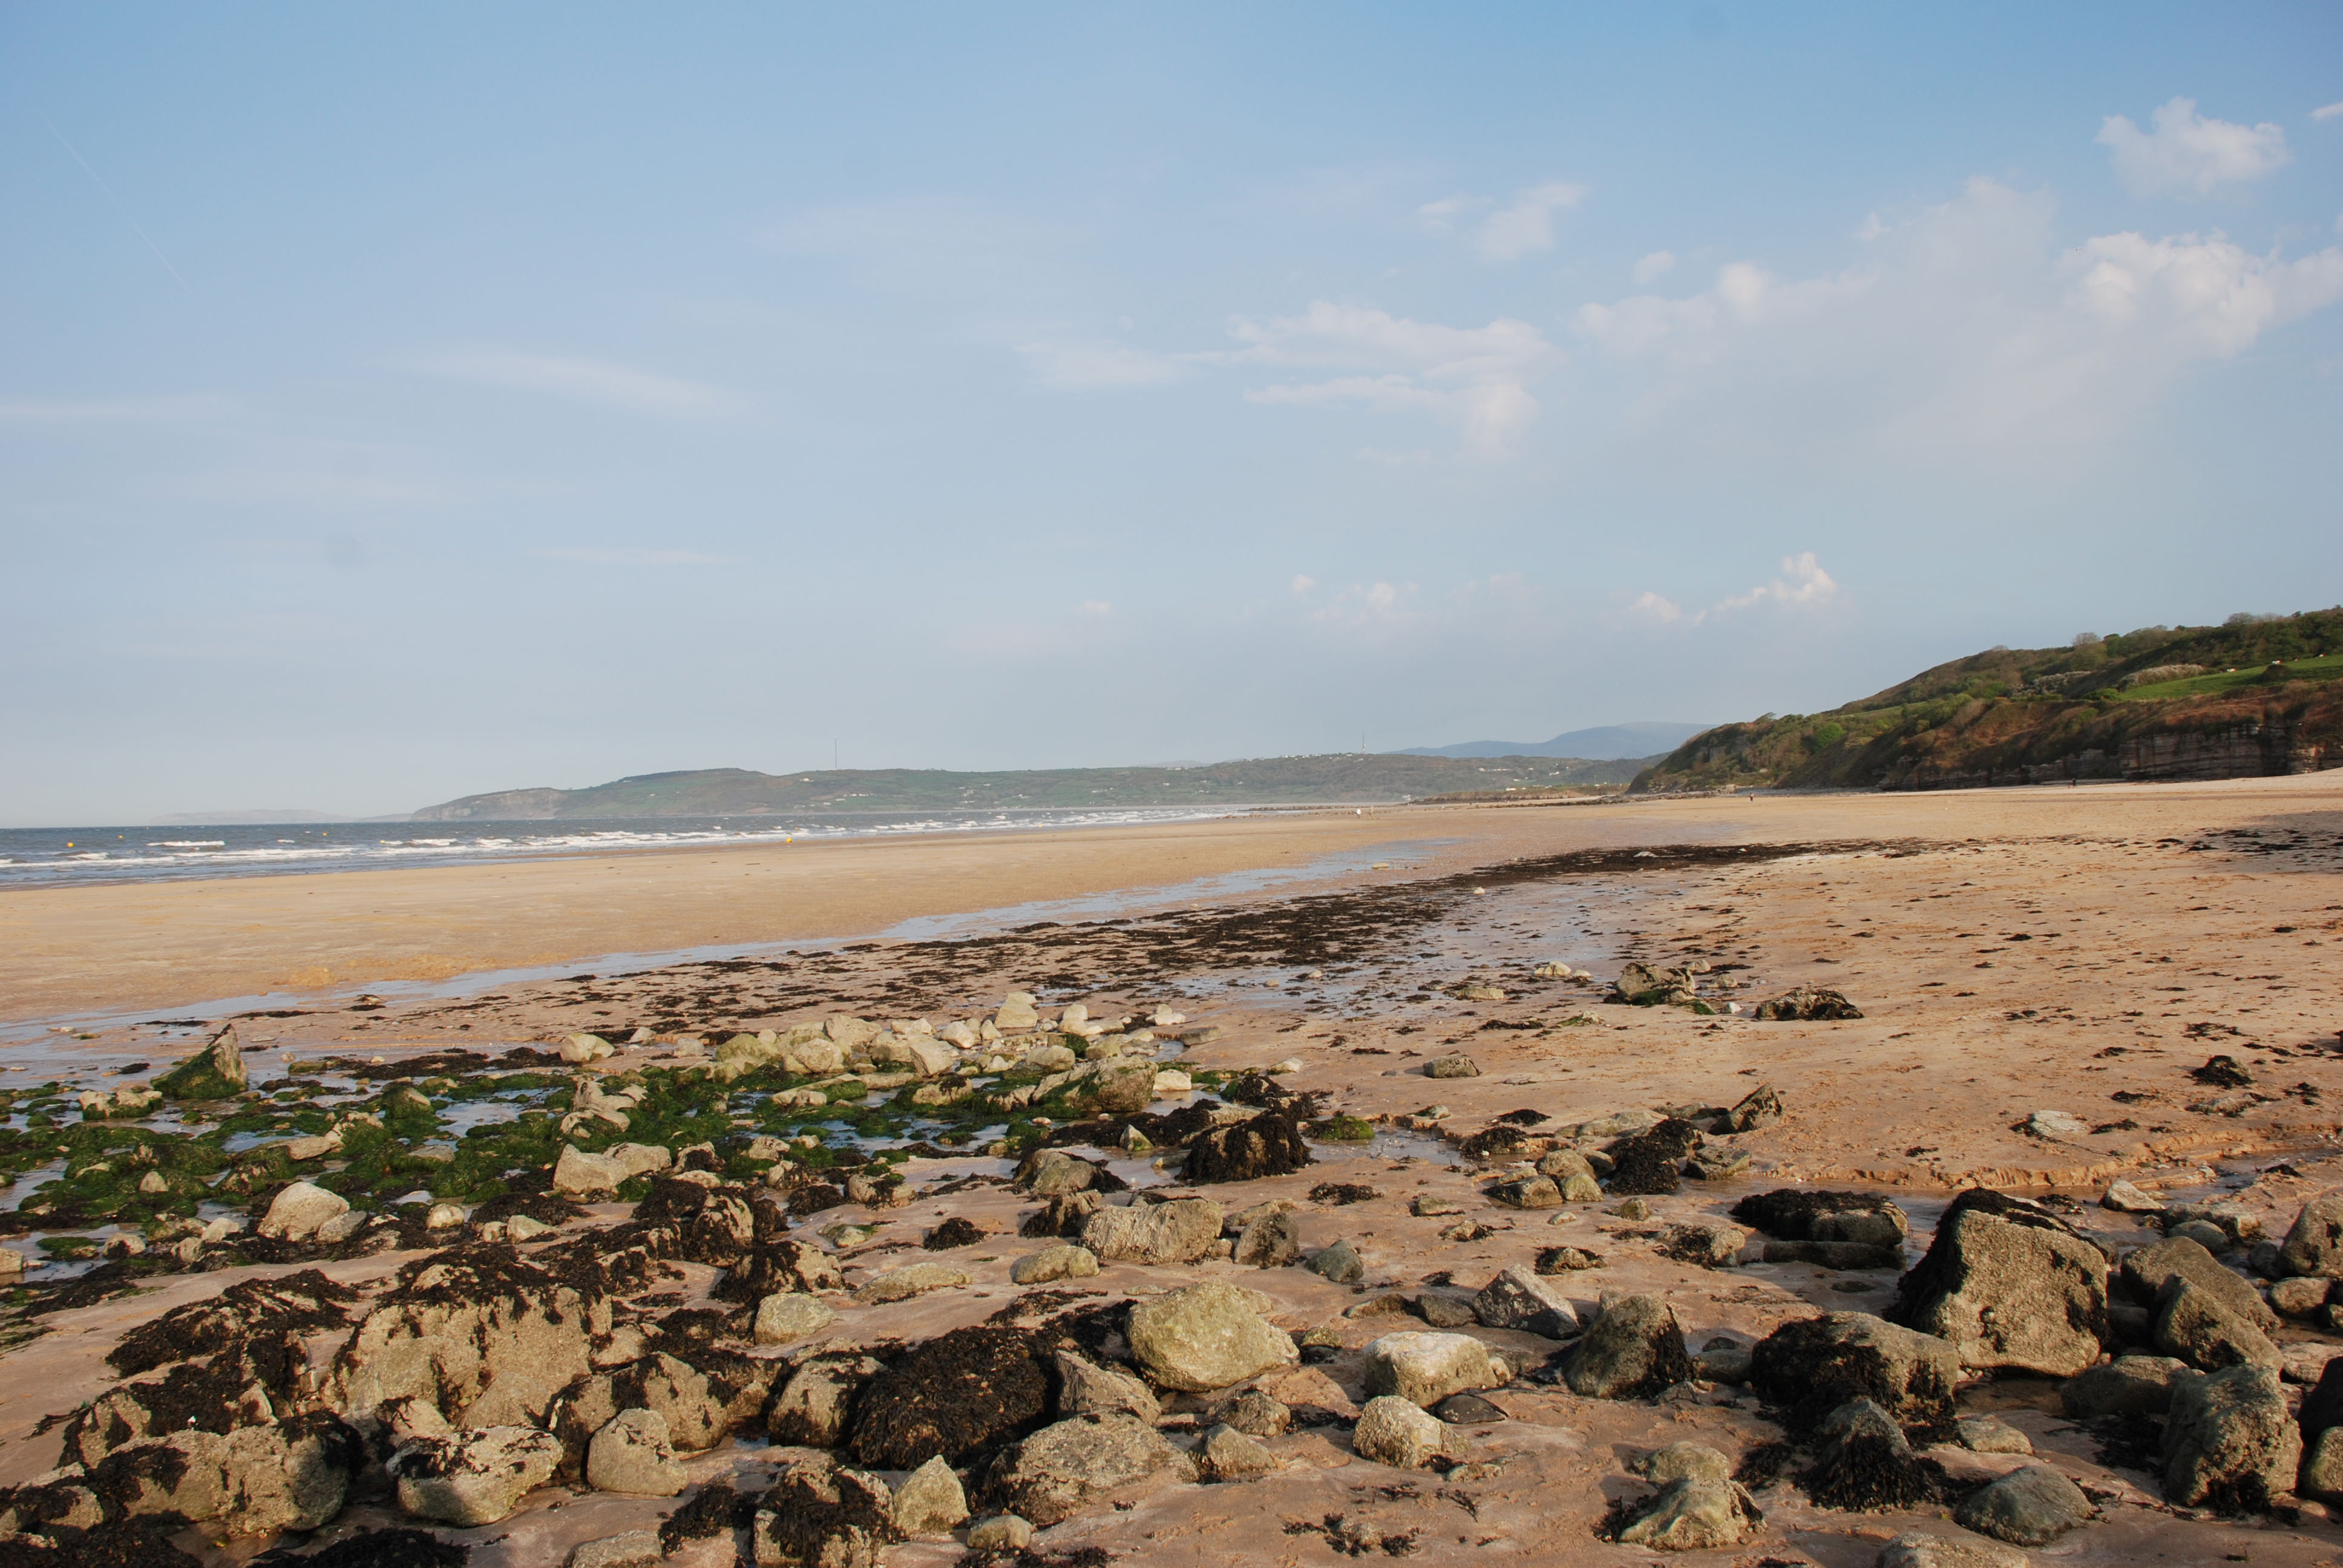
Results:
x,y
2221,681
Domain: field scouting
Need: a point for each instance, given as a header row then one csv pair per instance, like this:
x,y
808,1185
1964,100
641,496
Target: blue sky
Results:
x,y
405,401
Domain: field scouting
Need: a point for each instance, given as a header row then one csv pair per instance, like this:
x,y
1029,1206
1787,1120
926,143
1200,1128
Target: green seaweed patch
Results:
x,y
73,1249
1343,1129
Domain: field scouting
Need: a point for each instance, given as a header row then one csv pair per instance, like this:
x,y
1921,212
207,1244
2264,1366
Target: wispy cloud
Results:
x,y
2327,112
1475,378
1516,229
1651,268
1081,364
2190,152
592,381
1803,585
594,557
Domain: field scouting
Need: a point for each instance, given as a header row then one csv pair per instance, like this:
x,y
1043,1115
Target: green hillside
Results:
x,y
1344,776
2255,696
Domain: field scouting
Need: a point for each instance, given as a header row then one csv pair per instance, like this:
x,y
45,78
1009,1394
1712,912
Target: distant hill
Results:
x,y
2255,697
1345,778
1647,738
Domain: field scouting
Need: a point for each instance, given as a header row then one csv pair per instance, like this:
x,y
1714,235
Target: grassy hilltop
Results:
x,y
2256,696
1344,776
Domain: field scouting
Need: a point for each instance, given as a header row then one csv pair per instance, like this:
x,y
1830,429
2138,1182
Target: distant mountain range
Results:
x,y
1607,742
1343,778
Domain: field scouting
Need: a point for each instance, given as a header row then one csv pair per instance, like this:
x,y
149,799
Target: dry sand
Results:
x,y
2070,950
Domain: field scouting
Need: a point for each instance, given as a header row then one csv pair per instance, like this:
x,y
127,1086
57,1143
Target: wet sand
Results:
x,y
2075,950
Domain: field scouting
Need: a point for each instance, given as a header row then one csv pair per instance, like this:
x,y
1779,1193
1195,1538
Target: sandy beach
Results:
x,y
2044,978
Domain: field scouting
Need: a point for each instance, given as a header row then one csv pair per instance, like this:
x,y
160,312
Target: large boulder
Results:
x,y
1694,1513
632,1454
2145,1274
2314,1244
300,1210
1062,1262
1518,1299
1810,1367
1085,1388
2032,1506
215,1072
578,1174
1117,1086
1180,1231
474,1477
1398,1432
953,1395
820,1513
911,1279
1269,1145
789,1315
2201,1329
815,1408
1207,1336
2230,1442
1426,1368
1062,1470
1270,1241
2128,1385
1634,1349
252,1481
2008,1283
482,1335
929,1502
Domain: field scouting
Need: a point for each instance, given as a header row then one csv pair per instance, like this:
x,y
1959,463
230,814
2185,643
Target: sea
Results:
x,y
54,856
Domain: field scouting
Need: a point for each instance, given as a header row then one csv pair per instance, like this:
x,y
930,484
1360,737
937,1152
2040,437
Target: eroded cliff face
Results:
x,y
2273,745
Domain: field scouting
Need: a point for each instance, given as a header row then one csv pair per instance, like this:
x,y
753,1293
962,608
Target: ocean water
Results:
x,y
52,856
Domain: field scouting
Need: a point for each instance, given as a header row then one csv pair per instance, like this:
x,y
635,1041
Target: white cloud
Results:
x,y
592,381
2187,152
1959,327
1367,603
1302,584
1094,607
589,555
1803,585
1653,266
1527,225
1090,362
2327,112
1476,379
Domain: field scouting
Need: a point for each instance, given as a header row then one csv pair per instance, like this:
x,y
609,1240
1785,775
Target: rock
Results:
x,y
788,1315
2128,1385
1718,1163
1427,1206
1444,1312
2009,1284
925,1055
1269,1145
1252,1413
632,1454
1180,1231
296,1211
1808,1002
2230,1443
1761,1107
1229,1454
2321,1476
2198,1326
635,1549
1118,1086
2322,1407
342,1226
1648,985
1723,1362
1812,1366
1913,1550
641,1158
1170,1082
1517,1299
1530,1192
2028,1507
2314,1244
1426,1368
474,1477
215,1072
2300,1297
1271,1241
955,1394
2202,1233
821,1514
1456,1066
444,1216
816,1407
1062,1470
1050,1172
578,1174
1206,1336
1991,1434
1398,1432
1683,1461
1339,1263
1691,1515
1650,1162
1635,1349
929,1502
1085,1388
2145,1274
252,1481
2239,1226
2056,1124
1066,1263
1468,1410
1798,1214
1002,1533
1017,1014
1865,1462
2126,1199
1581,1189
1711,1246
577,1049
2306,1362
911,1279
